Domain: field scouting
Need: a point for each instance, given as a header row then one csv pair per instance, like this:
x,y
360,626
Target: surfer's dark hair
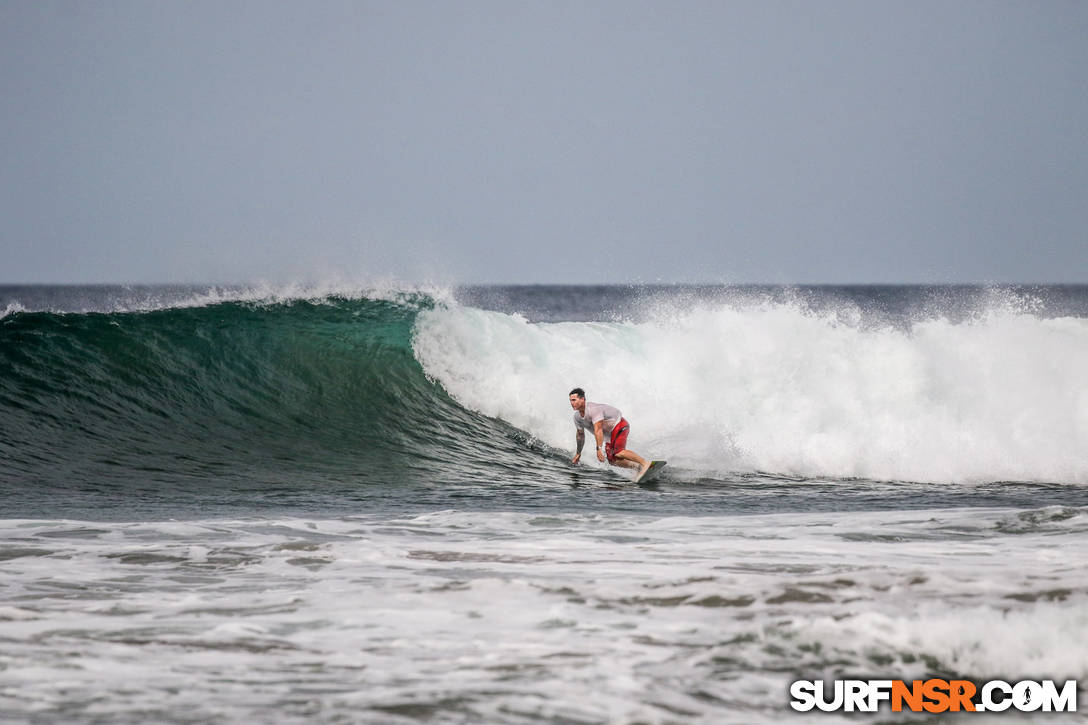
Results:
x,y
577,391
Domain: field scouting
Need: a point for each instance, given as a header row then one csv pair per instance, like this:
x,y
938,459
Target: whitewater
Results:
x,y
330,503
781,388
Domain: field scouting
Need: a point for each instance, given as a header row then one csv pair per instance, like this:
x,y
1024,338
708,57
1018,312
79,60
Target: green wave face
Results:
x,y
232,392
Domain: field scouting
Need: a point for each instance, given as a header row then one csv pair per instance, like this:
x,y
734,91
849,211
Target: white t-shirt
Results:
x,y
595,412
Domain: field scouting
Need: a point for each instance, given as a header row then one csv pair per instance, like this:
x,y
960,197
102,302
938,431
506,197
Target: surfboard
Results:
x,y
650,473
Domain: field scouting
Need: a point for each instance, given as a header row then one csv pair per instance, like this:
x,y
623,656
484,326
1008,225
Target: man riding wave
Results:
x,y
604,420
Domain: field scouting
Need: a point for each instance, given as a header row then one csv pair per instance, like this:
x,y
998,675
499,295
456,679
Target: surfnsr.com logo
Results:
x,y
934,696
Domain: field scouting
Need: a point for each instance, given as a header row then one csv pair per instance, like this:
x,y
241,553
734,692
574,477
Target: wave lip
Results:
x,y
150,298
779,387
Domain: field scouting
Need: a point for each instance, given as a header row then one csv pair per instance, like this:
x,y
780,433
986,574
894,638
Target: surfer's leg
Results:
x,y
630,459
616,449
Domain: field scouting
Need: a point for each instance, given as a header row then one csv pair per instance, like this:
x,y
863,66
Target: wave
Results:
x,y
263,392
268,386
782,388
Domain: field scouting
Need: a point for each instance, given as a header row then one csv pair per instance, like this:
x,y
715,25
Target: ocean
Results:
x,y
355,504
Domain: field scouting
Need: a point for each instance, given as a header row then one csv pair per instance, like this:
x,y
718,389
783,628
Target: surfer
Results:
x,y
604,420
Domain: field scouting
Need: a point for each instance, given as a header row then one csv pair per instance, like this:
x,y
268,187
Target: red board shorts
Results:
x,y
618,441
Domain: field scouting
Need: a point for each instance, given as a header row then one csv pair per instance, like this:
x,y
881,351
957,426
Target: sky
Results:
x,y
802,142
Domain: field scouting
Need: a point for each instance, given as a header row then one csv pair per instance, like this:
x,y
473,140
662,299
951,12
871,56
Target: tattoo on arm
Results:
x,y
581,440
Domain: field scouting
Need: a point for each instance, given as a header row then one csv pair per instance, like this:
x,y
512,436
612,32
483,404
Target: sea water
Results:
x,y
345,504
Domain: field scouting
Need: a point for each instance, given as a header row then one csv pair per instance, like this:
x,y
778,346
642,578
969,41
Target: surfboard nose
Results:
x,y
651,471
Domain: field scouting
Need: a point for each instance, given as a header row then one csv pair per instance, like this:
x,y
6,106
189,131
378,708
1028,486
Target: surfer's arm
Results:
x,y
580,436
598,433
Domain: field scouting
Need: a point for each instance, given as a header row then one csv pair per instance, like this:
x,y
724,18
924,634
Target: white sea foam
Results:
x,y
1001,395
11,308
500,617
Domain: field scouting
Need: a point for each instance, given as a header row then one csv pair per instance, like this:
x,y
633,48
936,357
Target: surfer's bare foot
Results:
x,y
643,469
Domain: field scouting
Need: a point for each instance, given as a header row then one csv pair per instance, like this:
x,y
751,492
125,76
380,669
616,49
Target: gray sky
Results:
x,y
479,141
